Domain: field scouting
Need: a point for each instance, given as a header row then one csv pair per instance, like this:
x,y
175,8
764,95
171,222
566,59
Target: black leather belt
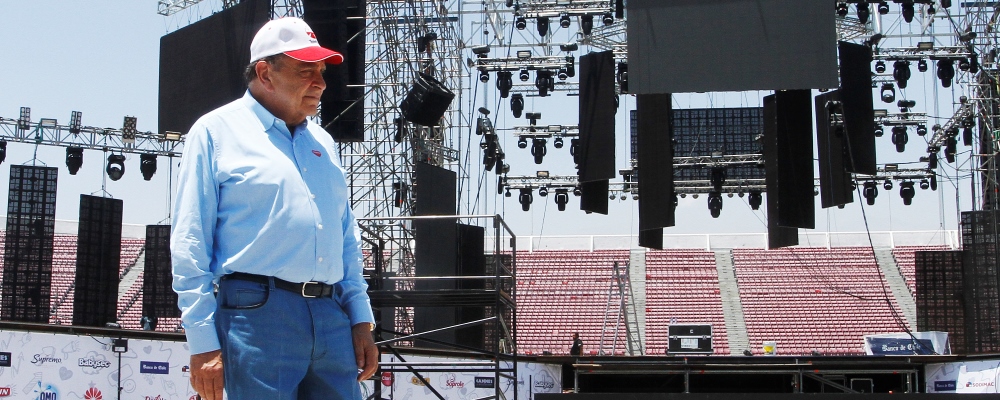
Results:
x,y
305,289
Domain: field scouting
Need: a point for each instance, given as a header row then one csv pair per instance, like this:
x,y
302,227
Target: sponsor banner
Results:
x,y
532,378
153,367
963,377
49,366
905,344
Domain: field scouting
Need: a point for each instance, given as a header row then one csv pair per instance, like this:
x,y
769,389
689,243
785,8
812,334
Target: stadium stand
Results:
x,y
904,259
560,292
814,299
682,286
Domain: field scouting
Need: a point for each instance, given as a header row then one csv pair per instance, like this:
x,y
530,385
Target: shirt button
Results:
x,y
320,226
312,196
305,169
321,259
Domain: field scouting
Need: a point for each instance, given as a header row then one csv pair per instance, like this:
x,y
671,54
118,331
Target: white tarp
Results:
x,y
903,344
963,377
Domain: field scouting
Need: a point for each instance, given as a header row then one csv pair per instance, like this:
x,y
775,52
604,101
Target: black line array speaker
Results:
x,y
834,180
981,280
201,65
471,262
98,260
777,235
436,247
939,295
655,165
859,108
340,25
158,297
27,272
594,196
597,117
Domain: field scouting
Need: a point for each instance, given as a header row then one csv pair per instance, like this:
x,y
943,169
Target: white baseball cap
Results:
x,y
291,36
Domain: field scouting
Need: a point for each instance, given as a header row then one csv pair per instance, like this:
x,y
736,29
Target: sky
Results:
x,y
102,59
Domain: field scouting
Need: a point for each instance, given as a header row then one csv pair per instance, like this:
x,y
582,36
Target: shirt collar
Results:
x,y
267,119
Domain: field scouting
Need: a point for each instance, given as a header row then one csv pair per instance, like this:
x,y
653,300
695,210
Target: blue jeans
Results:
x,y
279,345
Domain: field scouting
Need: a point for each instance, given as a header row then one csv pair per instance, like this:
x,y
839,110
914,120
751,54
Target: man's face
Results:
x,y
298,86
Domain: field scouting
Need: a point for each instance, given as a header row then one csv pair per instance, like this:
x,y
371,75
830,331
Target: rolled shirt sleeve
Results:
x,y
191,241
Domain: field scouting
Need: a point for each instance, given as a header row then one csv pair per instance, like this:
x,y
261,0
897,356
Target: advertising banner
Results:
x,y
532,378
903,344
963,377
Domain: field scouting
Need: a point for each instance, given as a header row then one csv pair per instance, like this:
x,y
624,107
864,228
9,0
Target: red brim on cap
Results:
x,y
315,54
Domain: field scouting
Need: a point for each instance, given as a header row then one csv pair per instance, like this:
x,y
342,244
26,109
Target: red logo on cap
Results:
x,y
317,153
312,35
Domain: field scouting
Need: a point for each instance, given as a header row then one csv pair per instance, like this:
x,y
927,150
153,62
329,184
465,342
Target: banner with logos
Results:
x,y
50,366
532,378
903,344
963,377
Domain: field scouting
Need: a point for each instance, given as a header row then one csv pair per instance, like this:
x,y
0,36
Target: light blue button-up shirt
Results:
x,y
253,198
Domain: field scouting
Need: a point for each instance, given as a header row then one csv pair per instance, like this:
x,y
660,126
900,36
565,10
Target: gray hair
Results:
x,y
250,72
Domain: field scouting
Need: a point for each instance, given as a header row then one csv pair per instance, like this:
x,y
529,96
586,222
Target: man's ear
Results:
x,y
264,74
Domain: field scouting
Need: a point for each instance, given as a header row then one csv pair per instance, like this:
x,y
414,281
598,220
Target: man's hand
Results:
x,y
206,374
365,351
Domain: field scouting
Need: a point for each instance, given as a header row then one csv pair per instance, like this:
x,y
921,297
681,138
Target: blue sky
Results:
x,y
102,59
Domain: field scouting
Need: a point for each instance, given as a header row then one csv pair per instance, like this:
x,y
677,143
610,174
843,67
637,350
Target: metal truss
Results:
x,y
167,8
49,132
950,129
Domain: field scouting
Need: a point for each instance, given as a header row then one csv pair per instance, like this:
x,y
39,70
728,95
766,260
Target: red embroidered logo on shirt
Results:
x,y
317,153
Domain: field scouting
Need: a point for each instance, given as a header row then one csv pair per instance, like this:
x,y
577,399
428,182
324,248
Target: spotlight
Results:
x,y
924,184
946,72
505,82
501,182
974,63
522,142
901,72
715,204
507,193
517,104
564,21
623,76
562,198
841,9
755,199
608,19
899,138
878,131
922,65
571,66
544,82
3,150
520,23
484,76
523,75
577,191
611,196
718,178
945,3
887,185
116,166
538,149
24,120
147,165
880,66
883,7
921,130
542,23
569,47
863,12
950,149
587,24
129,130
563,75
906,192
932,160
74,159
525,199
964,64
74,122
557,143
870,192
908,10
933,183
888,93
543,191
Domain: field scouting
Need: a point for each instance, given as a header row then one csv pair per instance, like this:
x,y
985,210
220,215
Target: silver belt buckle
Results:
x,y
304,289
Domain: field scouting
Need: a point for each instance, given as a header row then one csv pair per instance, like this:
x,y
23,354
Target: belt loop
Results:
x,y
270,283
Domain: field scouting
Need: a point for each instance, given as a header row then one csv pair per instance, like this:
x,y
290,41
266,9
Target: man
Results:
x,y
262,213
577,348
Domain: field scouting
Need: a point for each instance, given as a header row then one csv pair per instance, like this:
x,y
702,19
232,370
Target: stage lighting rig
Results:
x,y
538,149
950,129
116,166
542,23
922,65
587,24
147,165
899,138
564,21
715,204
946,72
544,82
883,7
505,82
906,192
880,67
863,12
901,72
870,192
842,9
74,122
755,199
525,199
888,93
517,104
74,159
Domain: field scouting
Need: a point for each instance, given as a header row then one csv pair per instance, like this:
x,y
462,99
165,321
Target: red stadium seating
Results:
x,y
682,286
